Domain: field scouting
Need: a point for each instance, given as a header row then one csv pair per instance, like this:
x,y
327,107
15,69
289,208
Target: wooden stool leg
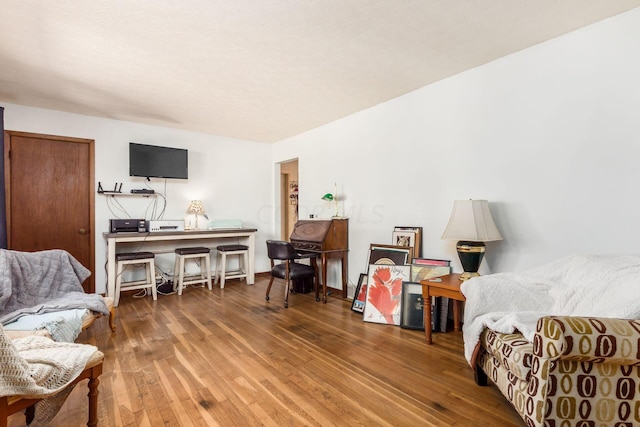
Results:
x,y
116,297
218,267
201,263
207,262
245,264
175,272
181,275
223,270
152,280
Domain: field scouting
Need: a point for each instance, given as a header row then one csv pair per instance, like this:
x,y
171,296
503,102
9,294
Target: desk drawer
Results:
x,y
307,246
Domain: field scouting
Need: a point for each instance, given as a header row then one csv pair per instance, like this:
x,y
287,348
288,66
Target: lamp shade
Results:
x,y
195,207
332,197
471,221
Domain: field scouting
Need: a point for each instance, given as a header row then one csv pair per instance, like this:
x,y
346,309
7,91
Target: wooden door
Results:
x,y
50,198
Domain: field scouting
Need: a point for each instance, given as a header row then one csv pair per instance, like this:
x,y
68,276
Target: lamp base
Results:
x,y
470,254
468,275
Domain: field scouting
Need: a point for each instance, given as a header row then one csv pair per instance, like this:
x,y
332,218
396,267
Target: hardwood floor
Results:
x,y
228,357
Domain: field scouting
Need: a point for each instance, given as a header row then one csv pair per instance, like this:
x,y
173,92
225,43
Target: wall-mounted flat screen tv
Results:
x,y
152,161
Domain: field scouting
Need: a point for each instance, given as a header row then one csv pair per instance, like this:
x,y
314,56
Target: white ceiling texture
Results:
x,y
261,70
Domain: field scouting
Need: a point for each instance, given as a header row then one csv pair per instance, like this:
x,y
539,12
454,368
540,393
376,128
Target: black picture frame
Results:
x,y
360,296
390,254
412,315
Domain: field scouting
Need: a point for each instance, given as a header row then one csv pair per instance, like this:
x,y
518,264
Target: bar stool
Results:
x,y
194,253
221,263
146,259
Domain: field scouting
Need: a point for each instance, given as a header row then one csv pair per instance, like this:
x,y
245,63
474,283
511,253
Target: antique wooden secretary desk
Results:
x,y
327,238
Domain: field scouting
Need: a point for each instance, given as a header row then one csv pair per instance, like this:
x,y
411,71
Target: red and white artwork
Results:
x,y
384,293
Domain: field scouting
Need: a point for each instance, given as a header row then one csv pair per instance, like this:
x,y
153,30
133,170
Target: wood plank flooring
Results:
x,y
230,358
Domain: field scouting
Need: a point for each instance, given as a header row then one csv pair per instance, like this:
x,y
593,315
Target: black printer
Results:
x,y
127,226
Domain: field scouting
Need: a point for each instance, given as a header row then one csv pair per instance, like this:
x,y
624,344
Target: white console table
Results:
x,y
167,241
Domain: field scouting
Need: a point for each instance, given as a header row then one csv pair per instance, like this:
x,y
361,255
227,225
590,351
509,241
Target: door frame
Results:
x,y
8,134
288,173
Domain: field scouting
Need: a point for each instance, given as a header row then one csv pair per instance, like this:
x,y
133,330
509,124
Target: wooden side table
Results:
x,y
449,287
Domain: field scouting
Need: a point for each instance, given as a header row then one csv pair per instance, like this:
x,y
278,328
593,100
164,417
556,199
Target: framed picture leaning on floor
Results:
x,y
412,313
416,242
384,293
390,254
360,297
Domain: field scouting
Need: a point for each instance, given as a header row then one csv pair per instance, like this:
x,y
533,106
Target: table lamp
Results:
x,y
332,198
472,225
196,208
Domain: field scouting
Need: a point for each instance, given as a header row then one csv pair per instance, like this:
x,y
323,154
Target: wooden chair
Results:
x,y
93,369
288,269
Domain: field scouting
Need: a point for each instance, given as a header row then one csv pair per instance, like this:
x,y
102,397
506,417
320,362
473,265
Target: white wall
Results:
x,y
230,176
549,135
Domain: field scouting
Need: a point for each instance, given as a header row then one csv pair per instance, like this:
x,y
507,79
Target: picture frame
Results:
x,y
384,293
422,272
417,246
390,254
360,296
404,238
432,261
412,314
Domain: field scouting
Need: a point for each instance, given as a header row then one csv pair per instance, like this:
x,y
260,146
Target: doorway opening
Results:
x,y
288,197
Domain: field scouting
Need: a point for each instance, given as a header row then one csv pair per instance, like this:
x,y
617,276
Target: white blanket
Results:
x,y
63,326
38,366
581,285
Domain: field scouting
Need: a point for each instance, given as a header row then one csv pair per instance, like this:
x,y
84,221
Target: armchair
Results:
x,y
288,269
579,371
37,374
562,341
35,283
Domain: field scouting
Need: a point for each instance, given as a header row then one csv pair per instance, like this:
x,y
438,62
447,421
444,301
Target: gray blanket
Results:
x,y
42,282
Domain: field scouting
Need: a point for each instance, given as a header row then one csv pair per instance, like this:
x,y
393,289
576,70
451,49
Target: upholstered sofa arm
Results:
x,y
588,339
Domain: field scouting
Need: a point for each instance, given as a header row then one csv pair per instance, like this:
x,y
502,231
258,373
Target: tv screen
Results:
x,y
152,161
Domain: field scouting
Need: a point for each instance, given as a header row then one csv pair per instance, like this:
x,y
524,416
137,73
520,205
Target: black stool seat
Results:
x,y
229,248
193,250
127,256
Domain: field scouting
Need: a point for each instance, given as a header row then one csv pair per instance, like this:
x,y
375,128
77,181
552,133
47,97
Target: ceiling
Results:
x,y
260,70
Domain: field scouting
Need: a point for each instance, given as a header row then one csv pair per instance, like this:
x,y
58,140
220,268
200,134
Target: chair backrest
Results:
x,y
281,250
